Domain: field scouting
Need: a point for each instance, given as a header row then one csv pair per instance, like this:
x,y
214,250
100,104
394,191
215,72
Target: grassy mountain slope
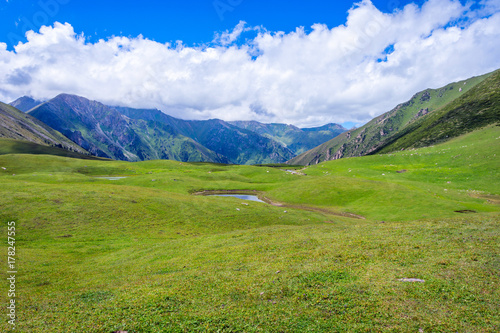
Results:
x,y
106,133
142,254
239,145
296,139
10,146
17,125
386,128
25,103
479,107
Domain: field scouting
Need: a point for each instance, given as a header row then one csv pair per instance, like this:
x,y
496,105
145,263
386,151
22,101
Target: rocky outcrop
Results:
x,y
425,96
421,113
339,154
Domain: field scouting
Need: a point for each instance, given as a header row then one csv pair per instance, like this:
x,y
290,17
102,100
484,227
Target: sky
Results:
x,y
305,63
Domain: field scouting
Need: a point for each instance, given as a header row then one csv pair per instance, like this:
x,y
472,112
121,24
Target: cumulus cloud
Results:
x,y
349,73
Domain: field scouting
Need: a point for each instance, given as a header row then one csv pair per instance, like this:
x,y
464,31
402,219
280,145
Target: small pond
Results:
x,y
111,178
239,196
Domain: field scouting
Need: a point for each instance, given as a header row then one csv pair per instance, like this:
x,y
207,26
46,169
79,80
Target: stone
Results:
x,y
411,280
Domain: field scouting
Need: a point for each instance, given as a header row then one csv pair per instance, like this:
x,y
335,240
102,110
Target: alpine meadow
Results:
x,y
298,170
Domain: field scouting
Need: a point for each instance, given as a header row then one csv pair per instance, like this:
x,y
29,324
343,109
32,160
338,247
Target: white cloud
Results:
x,y
226,38
352,72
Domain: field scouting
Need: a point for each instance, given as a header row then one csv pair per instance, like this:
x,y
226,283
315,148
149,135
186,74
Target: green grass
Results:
x,y
438,180
143,254
9,146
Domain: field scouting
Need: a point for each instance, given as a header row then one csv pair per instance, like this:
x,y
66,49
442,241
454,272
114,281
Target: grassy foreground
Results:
x,y
142,254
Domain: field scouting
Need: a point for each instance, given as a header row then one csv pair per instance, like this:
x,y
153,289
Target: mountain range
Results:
x,y
239,146
298,140
105,132
83,126
143,134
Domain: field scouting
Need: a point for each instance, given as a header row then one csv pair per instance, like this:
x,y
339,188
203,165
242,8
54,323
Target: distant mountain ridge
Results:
x,y
25,103
298,140
426,118
143,134
239,145
105,132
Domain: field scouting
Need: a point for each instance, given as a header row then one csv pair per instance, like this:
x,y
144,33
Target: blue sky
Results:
x,y
192,21
300,62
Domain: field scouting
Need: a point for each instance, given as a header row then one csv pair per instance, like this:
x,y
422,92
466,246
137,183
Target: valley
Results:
x,y
140,252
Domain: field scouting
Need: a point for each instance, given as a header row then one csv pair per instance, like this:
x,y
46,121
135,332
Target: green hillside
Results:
x,y
10,146
475,109
391,126
17,125
145,254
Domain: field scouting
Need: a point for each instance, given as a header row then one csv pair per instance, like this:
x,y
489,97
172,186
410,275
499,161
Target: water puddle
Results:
x,y
111,178
239,196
